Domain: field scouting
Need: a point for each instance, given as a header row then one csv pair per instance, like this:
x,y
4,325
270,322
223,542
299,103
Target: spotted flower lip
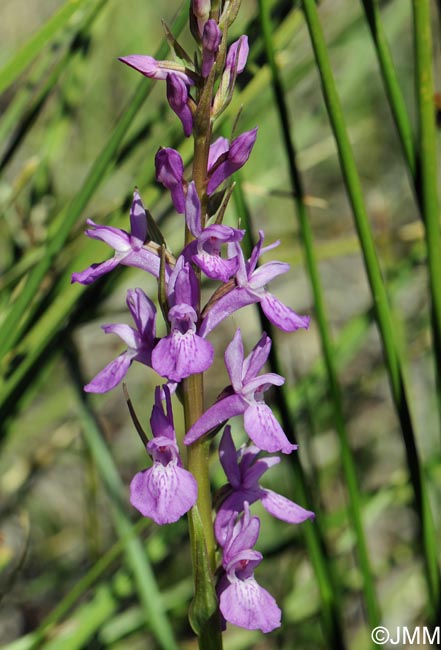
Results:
x,y
250,289
140,342
243,469
242,601
165,491
129,247
247,398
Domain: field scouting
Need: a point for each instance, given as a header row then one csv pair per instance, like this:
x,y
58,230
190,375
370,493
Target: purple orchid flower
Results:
x,y
211,38
179,99
178,83
250,289
140,342
183,352
165,491
246,398
229,158
170,172
242,601
243,469
205,250
129,248
150,67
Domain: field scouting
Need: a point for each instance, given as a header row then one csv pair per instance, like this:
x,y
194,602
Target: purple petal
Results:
x,y
261,383
95,271
244,540
126,333
264,430
215,267
256,470
284,509
221,411
211,38
164,492
228,458
193,210
232,301
238,155
229,509
257,358
180,355
138,218
248,605
143,312
186,288
150,67
116,238
217,148
266,273
146,65
281,315
237,55
143,259
177,96
170,172
111,375
234,360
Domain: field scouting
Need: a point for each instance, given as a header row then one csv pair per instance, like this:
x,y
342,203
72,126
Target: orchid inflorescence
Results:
x,y
167,490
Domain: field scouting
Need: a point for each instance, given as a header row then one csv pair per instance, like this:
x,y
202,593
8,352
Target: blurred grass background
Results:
x,y
77,132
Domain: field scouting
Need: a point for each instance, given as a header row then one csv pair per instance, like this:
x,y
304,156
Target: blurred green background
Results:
x,y
67,532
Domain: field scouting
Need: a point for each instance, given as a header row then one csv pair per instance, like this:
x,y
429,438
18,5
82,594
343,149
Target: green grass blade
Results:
x,y
37,43
379,295
12,326
136,558
427,167
331,614
27,104
392,87
322,321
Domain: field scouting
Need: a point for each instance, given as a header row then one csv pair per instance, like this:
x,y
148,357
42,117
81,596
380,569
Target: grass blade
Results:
x,y
379,295
13,324
322,321
37,43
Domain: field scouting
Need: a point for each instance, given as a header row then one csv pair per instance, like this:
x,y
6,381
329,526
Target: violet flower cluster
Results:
x,y
166,490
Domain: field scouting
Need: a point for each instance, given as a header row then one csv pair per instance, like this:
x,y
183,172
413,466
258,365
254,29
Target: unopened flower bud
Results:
x,y
177,96
170,172
211,39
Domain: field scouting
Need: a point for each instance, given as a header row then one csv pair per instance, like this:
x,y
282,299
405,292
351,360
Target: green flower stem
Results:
x,y
379,295
204,611
322,320
427,167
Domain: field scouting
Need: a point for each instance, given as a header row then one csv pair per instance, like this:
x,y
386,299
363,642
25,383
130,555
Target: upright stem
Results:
x,y
204,614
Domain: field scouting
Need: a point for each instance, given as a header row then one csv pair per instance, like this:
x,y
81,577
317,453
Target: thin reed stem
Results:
x,y
379,296
427,168
373,612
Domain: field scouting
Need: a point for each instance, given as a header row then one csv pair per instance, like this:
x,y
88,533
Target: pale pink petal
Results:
x,y
281,315
284,509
